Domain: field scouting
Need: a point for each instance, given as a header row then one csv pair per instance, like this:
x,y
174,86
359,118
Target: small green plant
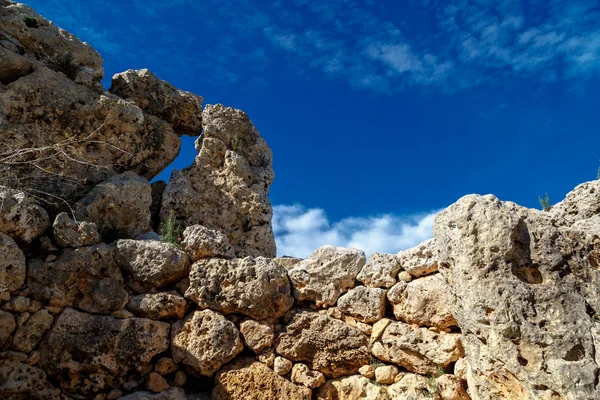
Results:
x,y
236,143
171,230
432,387
544,202
31,22
66,65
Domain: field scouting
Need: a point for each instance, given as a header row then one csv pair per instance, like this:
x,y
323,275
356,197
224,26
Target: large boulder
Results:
x,y
200,242
152,264
246,379
381,270
227,187
426,301
324,344
363,303
89,353
181,109
529,288
256,287
420,260
87,278
419,350
120,207
20,381
205,340
329,272
12,265
21,218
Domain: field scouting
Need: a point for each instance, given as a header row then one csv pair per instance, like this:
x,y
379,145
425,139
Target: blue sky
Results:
x,y
379,113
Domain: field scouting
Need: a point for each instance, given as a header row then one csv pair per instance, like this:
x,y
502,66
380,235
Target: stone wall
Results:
x,y
503,303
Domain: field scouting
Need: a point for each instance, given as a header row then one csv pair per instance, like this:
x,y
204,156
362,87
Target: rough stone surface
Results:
x,y
351,388
460,368
20,218
451,387
324,344
171,394
386,374
414,387
581,203
301,374
7,326
287,262
200,242
31,332
68,233
21,381
181,109
87,353
368,371
152,264
257,335
205,341
227,187
419,350
167,305
120,207
164,366
256,287
246,379
282,365
156,383
12,265
329,272
87,277
22,304
381,270
528,288
426,301
420,260
363,303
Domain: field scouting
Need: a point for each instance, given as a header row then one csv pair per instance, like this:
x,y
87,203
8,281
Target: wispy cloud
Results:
x,y
300,230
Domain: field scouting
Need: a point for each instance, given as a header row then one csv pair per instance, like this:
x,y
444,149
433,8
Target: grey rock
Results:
x,y
381,270
68,233
200,242
20,218
363,303
12,265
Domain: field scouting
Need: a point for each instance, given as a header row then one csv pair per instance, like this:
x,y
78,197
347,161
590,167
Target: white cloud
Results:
x,y
299,231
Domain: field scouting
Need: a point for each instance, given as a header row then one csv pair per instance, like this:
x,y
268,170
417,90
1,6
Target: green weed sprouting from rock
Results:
x,y
31,22
171,230
432,387
544,202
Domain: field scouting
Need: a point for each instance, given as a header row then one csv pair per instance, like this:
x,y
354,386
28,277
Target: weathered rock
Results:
x,y
13,66
87,277
86,138
329,272
205,341
426,301
20,218
257,335
7,326
120,207
68,233
282,365
152,264
414,387
386,374
12,265
246,379
200,242
181,109
368,371
581,203
418,350
156,383
180,378
168,305
363,303
522,276
451,387
22,381
460,368
324,344
43,43
256,287
88,353
227,187
287,262
31,332
381,270
420,260
158,188
165,366
171,394
351,388
114,394
301,374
